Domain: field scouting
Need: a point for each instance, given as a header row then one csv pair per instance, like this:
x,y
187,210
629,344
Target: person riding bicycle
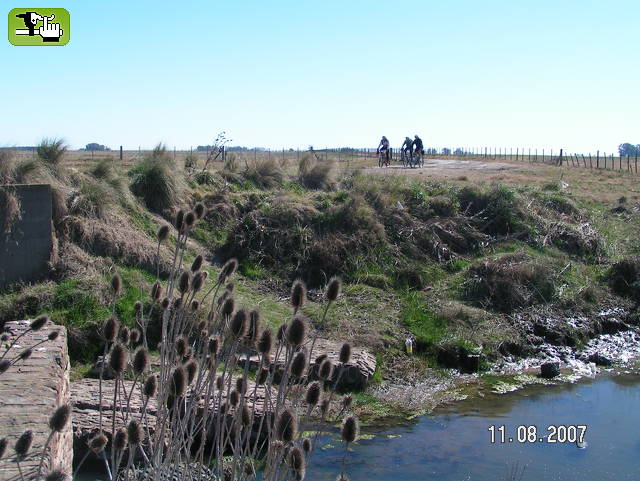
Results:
x,y
407,146
418,146
383,147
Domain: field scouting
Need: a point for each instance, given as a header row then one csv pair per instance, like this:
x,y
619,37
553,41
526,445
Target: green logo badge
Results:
x,y
39,26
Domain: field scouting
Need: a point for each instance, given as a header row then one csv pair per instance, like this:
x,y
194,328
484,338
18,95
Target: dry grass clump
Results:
x,y
497,211
315,174
580,240
51,151
154,180
510,282
624,278
92,199
265,173
114,237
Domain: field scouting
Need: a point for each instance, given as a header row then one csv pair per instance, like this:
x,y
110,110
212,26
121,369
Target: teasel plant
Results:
x,y
227,397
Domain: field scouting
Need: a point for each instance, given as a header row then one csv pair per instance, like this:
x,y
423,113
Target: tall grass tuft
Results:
x,y
154,180
51,151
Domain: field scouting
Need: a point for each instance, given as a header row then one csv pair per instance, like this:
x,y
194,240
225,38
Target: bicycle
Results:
x,y
405,158
383,158
419,158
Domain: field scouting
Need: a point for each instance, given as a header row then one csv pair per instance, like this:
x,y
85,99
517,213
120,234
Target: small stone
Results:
x,y
550,370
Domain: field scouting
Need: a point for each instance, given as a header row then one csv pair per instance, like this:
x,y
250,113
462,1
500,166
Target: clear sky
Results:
x,y
273,73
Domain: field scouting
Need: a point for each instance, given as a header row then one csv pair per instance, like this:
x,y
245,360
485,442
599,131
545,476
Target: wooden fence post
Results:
x,y
598,159
121,152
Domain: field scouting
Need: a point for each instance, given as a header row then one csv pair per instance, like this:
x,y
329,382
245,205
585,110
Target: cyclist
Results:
x,y
383,147
418,148
407,145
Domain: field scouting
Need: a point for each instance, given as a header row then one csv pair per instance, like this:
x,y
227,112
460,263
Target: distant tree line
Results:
x,y
628,149
96,146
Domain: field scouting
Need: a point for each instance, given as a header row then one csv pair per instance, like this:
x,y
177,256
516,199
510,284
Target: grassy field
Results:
x,y
446,254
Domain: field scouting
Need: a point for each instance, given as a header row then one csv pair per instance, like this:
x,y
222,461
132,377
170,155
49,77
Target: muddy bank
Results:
x,y
583,347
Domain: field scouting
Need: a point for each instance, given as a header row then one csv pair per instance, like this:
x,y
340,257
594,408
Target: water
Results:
x,y
454,443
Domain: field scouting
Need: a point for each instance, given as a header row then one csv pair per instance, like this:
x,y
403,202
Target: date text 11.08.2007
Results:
x,y
531,434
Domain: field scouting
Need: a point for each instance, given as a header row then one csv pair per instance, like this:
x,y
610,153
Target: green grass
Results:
x,y
74,306
420,319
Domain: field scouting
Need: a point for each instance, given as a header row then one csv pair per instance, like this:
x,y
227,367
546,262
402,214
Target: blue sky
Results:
x,y
545,74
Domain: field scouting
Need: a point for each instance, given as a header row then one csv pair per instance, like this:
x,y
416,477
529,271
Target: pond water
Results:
x,y
455,443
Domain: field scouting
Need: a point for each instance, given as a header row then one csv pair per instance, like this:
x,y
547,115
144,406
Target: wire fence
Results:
x,y
559,157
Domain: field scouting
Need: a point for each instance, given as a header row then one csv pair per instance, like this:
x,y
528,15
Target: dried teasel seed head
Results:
x,y
296,461
135,433
211,316
171,402
265,343
298,294
254,325
156,291
199,210
140,361
213,346
4,366
137,307
56,475
26,354
23,444
177,303
190,219
4,337
225,408
59,419
228,307
183,282
277,445
198,281
234,398
181,346
228,269
135,335
178,383
197,263
194,306
347,401
313,393
350,429
150,386
320,358
163,233
53,335
179,222
286,426
246,416
38,322
345,353
4,442
219,383
333,289
306,445
202,325
98,443
324,406
239,323
230,287
118,359
241,385
281,331
299,364
326,370
116,283
296,332
110,329
262,376
120,439
192,368
166,302
124,335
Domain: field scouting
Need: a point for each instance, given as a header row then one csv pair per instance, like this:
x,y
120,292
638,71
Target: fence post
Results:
x,y
121,152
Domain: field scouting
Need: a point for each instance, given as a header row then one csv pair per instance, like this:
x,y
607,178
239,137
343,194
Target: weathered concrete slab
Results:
x,y
27,245
29,393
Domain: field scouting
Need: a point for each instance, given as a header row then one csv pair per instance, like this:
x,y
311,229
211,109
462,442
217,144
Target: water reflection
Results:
x,y
454,444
